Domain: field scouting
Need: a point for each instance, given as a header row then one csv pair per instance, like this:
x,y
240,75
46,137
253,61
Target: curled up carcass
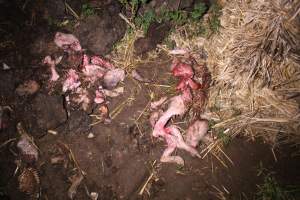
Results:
x,y
178,105
171,134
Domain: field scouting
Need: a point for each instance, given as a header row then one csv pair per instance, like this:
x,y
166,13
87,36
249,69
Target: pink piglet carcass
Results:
x,y
72,82
197,132
97,60
183,70
176,107
99,97
52,63
93,72
174,140
67,41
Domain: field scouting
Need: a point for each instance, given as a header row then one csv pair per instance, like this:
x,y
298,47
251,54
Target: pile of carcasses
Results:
x,y
93,72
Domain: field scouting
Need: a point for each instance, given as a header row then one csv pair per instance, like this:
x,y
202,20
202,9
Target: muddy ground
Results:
x,y
122,155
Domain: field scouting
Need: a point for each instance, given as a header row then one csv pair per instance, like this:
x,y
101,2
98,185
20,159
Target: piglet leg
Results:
x,y
51,63
177,138
166,157
54,74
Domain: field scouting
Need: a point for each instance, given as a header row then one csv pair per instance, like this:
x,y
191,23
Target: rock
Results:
x,y
91,135
48,111
155,35
79,122
99,33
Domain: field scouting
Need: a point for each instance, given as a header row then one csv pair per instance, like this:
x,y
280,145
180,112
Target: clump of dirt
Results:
x,y
155,35
100,32
46,112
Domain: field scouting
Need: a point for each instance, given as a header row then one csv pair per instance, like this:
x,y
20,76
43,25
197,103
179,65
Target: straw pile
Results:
x,y
255,66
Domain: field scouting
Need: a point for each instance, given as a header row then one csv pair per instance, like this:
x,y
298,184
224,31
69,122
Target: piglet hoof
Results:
x,y
172,159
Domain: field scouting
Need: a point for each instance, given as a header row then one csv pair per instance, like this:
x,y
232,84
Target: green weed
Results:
x,y
214,21
145,20
225,139
87,10
270,189
199,10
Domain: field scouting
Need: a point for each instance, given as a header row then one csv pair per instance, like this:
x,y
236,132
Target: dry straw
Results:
x,y
255,64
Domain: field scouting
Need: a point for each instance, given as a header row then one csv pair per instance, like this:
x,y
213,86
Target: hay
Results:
x,y
255,65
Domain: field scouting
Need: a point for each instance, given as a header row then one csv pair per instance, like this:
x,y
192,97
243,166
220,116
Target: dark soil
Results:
x,y
155,35
120,158
99,33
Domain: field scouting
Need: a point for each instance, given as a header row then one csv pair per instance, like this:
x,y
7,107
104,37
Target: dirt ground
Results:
x,y
122,156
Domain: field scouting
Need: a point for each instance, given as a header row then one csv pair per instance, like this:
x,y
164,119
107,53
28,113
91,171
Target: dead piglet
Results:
x,y
167,158
81,97
185,73
97,60
99,96
93,72
113,77
174,140
155,116
72,81
177,106
52,64
68,42
197,132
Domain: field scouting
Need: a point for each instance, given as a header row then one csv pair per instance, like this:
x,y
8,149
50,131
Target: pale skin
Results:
x,y
174,140
197,132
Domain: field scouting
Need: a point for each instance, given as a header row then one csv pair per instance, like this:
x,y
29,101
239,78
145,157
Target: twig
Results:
x,y
127,21
146,183
72,11
228,158
274,155
72,157
143,111
6,142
